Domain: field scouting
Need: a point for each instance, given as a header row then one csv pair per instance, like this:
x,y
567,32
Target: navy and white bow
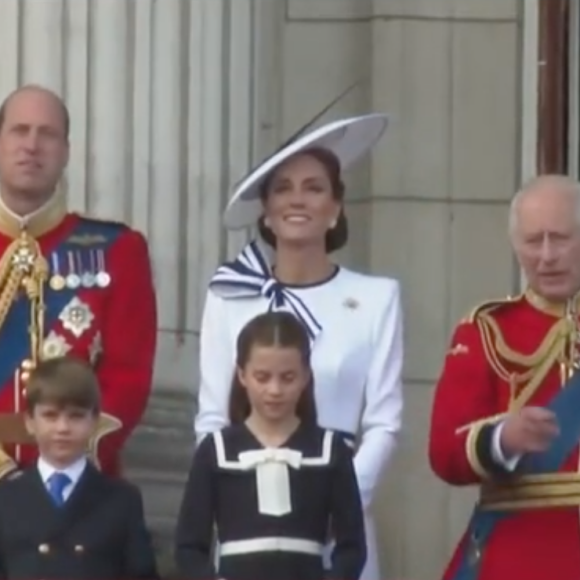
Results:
x,y
250,275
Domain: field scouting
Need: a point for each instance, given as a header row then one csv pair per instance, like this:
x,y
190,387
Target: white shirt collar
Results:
x,y
74,470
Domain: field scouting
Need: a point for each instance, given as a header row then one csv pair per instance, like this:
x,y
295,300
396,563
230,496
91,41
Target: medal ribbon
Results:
x,y
85,269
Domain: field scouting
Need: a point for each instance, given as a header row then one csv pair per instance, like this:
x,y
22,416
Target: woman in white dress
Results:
x,y
354,320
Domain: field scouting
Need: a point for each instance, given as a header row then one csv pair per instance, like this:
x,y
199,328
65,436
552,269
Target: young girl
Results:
x,y
272,483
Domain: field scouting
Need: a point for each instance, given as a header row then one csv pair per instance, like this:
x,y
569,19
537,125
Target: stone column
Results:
x,y
218,148
449,72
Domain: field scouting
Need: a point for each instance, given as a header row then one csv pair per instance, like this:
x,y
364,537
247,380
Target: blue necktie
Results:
x,y
56,485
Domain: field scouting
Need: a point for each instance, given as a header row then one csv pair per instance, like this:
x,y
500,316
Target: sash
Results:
x,y
566,406
87,237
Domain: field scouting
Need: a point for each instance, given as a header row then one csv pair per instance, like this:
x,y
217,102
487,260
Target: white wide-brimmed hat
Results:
x,y
348,139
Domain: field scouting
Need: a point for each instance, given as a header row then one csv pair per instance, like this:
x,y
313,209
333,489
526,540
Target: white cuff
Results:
x,y
497,453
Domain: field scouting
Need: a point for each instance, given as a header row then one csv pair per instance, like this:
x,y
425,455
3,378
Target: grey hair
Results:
x,y
557,183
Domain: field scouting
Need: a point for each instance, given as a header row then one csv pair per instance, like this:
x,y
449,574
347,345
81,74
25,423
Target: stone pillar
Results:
x,y
162,102
109,111
216,151
448,71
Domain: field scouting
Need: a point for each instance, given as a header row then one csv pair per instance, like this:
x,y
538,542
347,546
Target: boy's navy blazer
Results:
x,y
98,534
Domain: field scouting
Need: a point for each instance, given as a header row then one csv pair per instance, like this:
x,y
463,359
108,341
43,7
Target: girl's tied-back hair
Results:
x,y
279,329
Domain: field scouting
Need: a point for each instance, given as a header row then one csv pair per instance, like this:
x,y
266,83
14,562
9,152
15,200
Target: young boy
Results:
x,y
63,519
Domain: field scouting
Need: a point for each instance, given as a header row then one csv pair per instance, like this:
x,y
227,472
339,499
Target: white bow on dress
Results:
x,y
272,477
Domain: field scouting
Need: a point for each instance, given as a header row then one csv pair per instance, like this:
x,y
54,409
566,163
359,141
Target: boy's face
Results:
x,y
62,433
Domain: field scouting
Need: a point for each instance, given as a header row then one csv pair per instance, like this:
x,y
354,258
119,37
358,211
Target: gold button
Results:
x,y
79,549
27,365
44,548
24,376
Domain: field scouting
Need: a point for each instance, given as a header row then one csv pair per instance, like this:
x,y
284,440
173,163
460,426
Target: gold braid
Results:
x,y
534,367
22,266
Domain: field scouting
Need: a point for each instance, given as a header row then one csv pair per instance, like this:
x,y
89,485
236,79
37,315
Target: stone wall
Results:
x,y
430,208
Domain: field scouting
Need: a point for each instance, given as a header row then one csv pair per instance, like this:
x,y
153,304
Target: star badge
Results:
x,y
54,345
77,317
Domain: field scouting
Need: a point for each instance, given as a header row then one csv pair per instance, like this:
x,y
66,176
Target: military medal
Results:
x,y
88,280
103,278
73,280
56,282
89,277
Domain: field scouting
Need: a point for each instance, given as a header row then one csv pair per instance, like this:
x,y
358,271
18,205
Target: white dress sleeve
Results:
x,y
381,417
216,368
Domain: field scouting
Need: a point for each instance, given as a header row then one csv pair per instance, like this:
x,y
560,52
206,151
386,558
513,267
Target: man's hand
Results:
x,y
532,429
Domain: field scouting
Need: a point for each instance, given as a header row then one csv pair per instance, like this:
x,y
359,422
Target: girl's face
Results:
x,y
274,378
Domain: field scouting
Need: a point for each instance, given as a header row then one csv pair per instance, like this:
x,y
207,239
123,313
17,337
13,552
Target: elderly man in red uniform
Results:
x,y
500,417
68,284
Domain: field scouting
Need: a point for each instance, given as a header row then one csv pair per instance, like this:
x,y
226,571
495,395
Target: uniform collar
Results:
x,y
37,223
74,470
558,309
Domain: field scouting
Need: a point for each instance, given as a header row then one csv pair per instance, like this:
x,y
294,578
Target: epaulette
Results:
x,y
103,222
488,306
96,231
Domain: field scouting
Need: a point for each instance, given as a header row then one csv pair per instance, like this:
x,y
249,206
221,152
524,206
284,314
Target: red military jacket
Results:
x,y
504,355
99,305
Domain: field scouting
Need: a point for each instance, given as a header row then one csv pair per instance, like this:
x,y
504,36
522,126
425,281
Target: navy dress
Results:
x,y
272,509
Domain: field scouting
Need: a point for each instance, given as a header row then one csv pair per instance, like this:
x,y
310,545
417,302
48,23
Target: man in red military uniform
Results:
x,y
506,362
68,284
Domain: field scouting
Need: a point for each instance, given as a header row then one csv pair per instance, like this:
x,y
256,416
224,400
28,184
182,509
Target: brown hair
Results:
x,y
280,329
336,237
65,382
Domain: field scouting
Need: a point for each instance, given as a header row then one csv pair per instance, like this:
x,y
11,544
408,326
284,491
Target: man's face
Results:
x,y
546,240
33,145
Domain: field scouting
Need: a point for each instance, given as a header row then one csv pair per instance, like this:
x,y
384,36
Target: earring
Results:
x,y
266,223
333,224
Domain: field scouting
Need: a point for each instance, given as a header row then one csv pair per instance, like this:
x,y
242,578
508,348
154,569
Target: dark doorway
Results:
x,y
555,34
573,105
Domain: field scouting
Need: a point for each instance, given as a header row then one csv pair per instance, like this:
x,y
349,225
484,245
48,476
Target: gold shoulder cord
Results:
x,y
558,347
22,266
535,366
